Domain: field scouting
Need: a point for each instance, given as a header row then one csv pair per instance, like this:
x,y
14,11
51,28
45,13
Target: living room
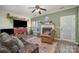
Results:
x,y
41,28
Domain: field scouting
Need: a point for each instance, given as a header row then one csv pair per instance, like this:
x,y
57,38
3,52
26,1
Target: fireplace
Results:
x,y
46,28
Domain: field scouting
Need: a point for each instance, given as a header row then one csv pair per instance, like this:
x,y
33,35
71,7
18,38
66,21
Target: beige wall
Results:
x,y
7,23
4,22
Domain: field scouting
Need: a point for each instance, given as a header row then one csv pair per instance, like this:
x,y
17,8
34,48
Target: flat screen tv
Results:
x,y
19,23
9,31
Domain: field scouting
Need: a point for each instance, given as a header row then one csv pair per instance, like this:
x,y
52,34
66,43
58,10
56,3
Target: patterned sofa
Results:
x,y
12,44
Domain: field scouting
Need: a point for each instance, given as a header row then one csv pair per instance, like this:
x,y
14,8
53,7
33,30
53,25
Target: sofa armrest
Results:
x,y
30,48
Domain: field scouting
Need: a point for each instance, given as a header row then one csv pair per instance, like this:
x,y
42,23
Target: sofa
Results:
x,y
13,44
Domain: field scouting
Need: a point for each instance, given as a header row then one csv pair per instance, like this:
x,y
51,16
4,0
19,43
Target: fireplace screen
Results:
x,y
46,30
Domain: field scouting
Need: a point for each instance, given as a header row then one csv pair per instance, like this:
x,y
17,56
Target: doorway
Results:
x,y
67,28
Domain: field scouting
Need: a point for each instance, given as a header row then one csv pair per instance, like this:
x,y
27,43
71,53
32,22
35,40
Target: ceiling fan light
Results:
x,y
37,10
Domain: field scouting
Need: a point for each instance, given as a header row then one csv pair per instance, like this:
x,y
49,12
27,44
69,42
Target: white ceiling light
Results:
x,y
37,10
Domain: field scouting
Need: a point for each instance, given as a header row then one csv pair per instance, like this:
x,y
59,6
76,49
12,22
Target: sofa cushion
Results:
x,y
19,43
29,48
3,49
4,37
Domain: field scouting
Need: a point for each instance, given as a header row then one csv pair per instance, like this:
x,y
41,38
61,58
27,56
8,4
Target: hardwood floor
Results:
x,y
57,47
43,47
67,47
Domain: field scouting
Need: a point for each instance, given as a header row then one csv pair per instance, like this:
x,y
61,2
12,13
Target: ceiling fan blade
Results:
x,y
39,12
33,10
43,9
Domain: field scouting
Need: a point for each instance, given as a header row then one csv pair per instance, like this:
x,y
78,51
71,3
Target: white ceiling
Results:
x,y
26,11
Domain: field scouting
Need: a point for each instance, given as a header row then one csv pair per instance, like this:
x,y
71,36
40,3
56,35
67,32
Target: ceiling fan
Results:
x,y
38,9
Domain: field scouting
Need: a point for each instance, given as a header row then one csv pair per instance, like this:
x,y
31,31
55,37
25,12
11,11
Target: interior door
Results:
x,y
67,27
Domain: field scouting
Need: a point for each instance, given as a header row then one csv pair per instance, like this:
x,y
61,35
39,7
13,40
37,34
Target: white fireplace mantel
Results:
x,y
47,26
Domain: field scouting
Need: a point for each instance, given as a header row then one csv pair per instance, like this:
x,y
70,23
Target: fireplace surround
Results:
x,y
46,28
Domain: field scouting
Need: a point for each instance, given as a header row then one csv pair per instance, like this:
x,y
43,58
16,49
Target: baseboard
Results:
x,y
68,41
